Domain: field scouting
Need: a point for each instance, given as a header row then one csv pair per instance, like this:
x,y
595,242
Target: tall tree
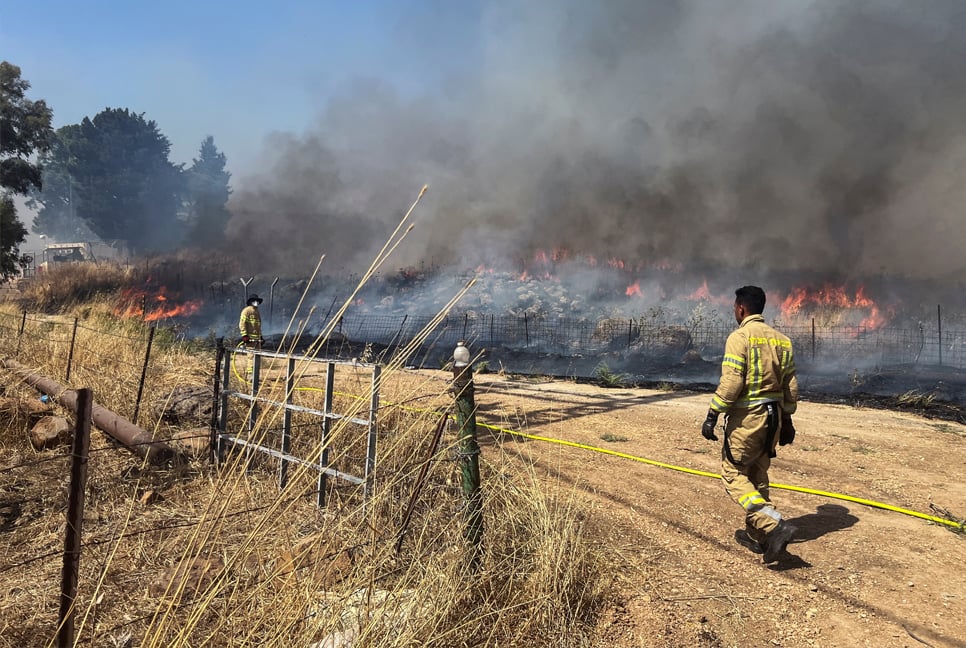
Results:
x,y
207,195
56,205
24,130
112,172
12,234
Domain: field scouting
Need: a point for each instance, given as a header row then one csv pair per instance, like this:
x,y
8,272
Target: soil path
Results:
x,y
856,576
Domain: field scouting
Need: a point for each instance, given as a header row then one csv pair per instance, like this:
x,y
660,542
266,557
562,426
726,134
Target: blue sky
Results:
x,y
235,70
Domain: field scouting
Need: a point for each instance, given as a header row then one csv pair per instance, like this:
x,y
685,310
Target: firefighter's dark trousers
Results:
x,y
746,480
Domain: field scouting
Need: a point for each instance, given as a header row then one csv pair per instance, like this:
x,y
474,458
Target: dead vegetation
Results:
x,y
198,555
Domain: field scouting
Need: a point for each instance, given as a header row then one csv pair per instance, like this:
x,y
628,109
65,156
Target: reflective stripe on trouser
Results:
x,y
747,484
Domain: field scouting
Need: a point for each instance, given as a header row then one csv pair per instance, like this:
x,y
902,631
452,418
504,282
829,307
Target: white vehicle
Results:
x,y
60,253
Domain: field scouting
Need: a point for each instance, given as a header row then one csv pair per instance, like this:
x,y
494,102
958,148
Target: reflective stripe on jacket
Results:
x,y
758,367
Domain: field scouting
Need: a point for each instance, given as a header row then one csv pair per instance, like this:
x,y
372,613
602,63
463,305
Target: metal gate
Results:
x,y
257,399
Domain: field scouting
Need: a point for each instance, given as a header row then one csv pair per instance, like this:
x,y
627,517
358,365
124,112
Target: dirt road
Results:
x,y
856,576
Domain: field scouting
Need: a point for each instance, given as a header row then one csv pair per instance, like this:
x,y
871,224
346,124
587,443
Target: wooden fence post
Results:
x,y
75,518
469,450
23,325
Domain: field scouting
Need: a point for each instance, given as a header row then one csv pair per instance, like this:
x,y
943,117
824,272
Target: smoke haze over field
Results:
x,y
823,136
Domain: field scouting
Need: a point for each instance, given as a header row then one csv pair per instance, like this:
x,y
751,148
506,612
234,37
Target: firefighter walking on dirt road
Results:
x,y
250,324
758,394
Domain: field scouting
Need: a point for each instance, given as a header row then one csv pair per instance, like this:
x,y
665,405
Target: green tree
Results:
x,y
12,234
24,131
56,204
112,172
207,195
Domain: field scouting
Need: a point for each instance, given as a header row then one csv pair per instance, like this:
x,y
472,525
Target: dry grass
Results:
x,y
68,285
222,557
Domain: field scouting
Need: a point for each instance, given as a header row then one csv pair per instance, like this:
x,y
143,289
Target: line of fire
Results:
x,y
557,312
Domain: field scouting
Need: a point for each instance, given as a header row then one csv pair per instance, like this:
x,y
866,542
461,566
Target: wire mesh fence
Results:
x,y
566,336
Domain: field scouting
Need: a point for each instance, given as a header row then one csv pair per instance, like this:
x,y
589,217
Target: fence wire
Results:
x,y
569,336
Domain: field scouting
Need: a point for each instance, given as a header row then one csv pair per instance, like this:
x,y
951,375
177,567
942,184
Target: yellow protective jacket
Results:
x,y
250,323
758,367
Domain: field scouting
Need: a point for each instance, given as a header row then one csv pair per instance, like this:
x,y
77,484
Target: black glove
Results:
x,y
707,430
787,435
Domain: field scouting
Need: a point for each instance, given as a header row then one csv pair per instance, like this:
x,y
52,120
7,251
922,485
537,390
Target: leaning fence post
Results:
x,y
75,518
70,353
23,324
469,449
144,373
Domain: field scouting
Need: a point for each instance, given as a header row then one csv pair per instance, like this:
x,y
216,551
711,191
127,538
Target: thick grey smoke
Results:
x,y
823,136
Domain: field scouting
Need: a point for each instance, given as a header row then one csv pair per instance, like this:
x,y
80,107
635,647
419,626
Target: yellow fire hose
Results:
x,y
961,526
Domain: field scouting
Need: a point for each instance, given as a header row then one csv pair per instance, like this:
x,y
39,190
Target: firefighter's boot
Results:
x,y
777,540
744,538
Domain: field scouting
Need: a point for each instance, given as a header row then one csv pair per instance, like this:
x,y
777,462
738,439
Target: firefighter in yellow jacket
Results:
x,y
758,394
250,324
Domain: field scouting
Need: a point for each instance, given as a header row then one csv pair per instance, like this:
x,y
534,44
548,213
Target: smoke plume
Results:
x,y
824,137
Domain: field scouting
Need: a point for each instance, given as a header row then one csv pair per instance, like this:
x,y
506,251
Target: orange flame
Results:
x,y
614,262
153,307
634,290
803,298
703,293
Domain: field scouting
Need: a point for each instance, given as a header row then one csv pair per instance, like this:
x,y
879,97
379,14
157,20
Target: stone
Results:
x,y
51,432
185,405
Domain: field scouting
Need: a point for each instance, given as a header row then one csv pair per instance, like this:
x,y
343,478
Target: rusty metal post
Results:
x,y
70,354
144,373
216,386
939,321
469,450
23,325
813,339
287,424
246,282
421,478
326,428
75,518
271,304
227,361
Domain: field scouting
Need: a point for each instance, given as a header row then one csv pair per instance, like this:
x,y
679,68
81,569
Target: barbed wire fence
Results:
x,y
116,356
76,352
